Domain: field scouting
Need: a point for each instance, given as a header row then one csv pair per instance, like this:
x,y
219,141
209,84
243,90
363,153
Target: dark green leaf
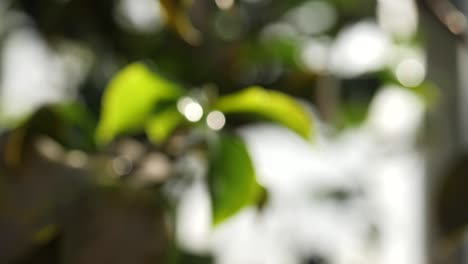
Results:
x,y
352,114
76,114
130,98
272,105
233,184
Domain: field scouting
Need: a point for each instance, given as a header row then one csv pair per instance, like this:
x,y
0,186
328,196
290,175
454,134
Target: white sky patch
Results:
x,y
194,218
395,112
34,75
313,17
398,17
360,48
315,54
143,16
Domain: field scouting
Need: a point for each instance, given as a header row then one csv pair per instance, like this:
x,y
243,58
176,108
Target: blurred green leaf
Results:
x,y
428,92
45,234
130,98
232,178
283,49
352,114
160,126
76,114
272,105
78,126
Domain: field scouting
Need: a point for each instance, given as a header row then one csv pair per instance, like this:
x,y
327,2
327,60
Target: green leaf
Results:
x,y
428,92
130,98
161,125
272,105
232,180
79,126
76,114
352,114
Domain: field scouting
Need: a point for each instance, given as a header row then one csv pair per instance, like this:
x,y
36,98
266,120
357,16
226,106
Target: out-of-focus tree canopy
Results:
x,y
94,175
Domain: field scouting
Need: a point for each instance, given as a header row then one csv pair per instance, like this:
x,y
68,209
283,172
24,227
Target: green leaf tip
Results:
x,y
269,104
130,98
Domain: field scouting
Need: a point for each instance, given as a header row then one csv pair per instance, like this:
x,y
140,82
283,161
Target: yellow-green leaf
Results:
x,y
130,98
272,105
428,92
232,180
161,125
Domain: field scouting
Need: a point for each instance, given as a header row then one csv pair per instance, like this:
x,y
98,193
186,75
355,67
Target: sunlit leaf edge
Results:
x,y
269,104
129,99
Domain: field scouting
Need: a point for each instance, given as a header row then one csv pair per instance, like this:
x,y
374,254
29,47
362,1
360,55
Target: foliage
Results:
x,y
232,178
83,164
129,100
135,91
270,105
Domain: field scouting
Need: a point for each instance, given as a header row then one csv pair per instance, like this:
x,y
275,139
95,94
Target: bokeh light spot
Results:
x,y
224,4
313,17
410,72
216,120
193,112
76,158
122,165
